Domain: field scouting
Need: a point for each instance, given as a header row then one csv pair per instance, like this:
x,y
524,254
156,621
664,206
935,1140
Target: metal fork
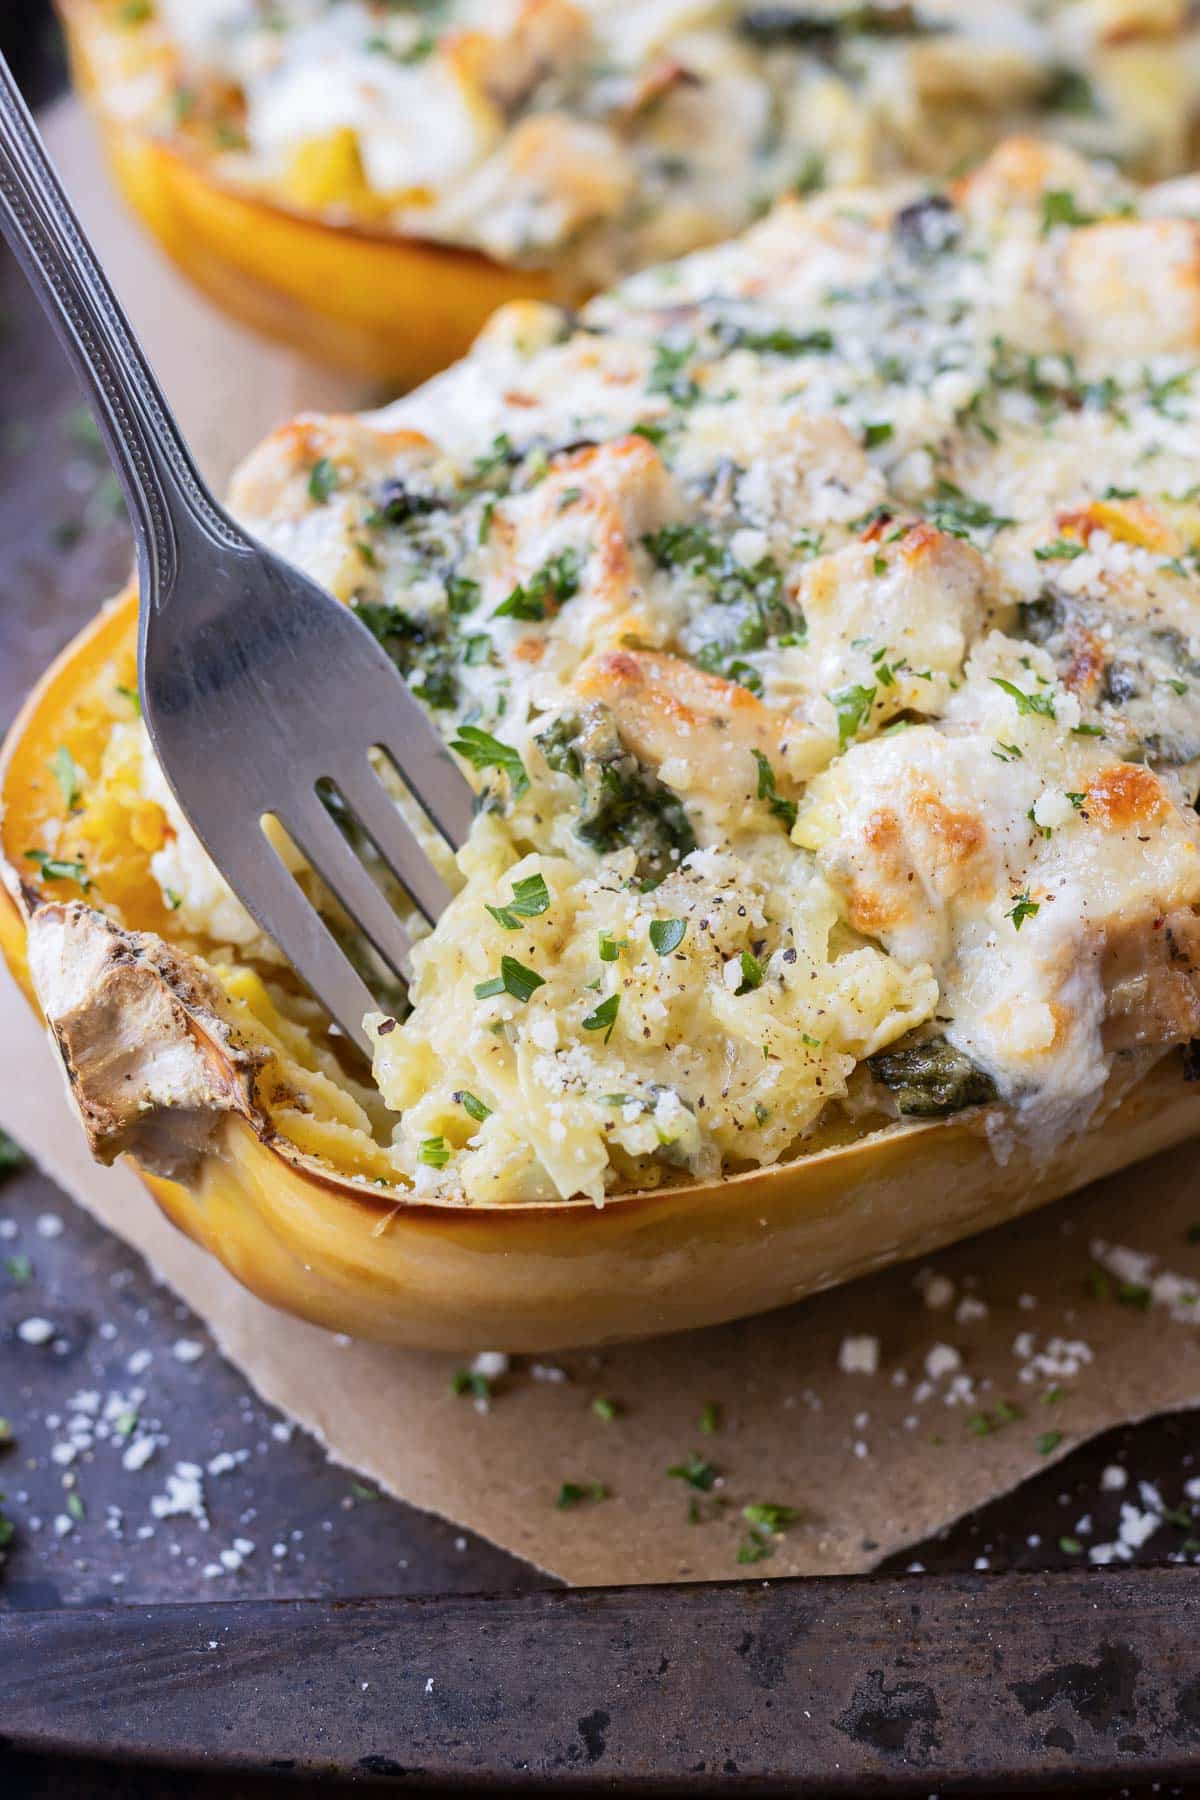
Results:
x,y
255,684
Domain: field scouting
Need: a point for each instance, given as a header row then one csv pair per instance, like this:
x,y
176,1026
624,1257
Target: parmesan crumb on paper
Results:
x,y
859,1355
943,1359
937,1291
35,1331
139,1453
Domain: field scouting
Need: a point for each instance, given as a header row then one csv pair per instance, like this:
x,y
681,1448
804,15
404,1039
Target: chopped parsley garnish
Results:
x,y
710,1418
530,899
1007,752
546,590
434,1153
960,514
1087,731
605,1409
852,707
982,1424
1023,908
462,595
11,1155
744,673
697,1472
495,462
1161,393
573,1493
752,974
668,373
483,751
781,809
758,611
133,697
1059,207
1047,1441
323,480
67,773
1042,704
769,1516
1061,550
473,1106
877,433
19,1269
667,935
777,342
767,1521
810,175
469,1381
685,545
56,868
604,1016
514,978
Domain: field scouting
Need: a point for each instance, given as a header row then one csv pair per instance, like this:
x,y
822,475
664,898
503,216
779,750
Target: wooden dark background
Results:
x,y
64,547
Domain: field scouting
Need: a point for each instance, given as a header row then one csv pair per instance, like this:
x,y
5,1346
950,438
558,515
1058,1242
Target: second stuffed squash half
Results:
x,y
369,181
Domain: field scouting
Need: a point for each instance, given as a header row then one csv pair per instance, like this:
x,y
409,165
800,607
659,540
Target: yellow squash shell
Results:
x,y
379,304
540,1277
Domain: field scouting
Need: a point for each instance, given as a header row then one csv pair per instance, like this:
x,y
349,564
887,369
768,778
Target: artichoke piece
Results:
x,y
932,1079
422,649
622,803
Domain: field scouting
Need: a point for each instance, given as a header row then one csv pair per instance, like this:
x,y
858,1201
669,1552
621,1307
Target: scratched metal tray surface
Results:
x,y
962,1684
127,1670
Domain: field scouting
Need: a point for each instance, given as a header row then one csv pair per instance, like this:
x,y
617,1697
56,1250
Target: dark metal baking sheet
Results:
x,y
964,1684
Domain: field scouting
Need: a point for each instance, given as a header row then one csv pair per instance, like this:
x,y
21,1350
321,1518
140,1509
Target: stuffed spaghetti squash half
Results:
x,y
818,619
369,180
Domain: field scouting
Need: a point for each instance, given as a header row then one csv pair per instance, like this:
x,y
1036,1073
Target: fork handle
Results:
x,y
166,497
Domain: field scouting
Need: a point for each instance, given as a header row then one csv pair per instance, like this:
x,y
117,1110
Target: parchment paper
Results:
x,y
1006,1354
